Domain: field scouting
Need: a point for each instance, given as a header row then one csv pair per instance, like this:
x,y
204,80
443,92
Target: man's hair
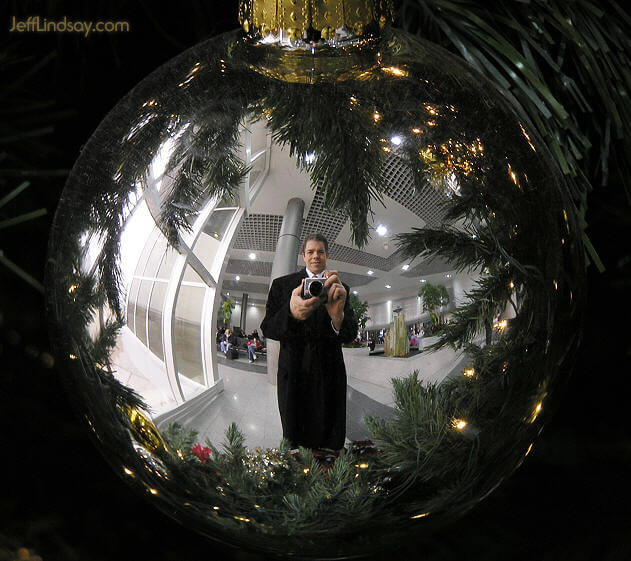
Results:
x,y
316,238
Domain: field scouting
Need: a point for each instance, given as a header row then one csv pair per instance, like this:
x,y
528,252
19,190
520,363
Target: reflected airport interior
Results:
x,y
168,350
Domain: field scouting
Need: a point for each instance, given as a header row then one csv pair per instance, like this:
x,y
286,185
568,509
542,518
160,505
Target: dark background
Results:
x,y
58,497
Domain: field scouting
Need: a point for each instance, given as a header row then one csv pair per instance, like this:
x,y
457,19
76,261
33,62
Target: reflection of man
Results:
x,y
226,341
311,373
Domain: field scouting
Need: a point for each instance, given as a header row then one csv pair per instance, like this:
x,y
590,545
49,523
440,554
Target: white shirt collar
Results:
x,y
313,275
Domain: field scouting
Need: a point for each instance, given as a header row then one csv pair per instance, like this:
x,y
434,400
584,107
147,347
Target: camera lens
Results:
x,y
315,288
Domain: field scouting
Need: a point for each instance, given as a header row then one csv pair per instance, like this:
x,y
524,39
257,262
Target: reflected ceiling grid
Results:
x,y
249,267
426,203
260,232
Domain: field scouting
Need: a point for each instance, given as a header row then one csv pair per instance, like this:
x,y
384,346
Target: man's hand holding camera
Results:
x,y
335,299
333,296
300,308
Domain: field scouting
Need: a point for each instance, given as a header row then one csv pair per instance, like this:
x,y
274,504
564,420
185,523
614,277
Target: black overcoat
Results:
x,y
311,379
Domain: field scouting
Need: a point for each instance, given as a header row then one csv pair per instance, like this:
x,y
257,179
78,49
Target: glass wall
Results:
x,y
187,328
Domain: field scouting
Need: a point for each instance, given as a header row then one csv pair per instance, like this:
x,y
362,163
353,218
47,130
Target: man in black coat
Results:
x,y
311,374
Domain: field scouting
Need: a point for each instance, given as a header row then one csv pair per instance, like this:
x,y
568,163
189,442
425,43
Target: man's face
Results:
x,y
227,332
315,256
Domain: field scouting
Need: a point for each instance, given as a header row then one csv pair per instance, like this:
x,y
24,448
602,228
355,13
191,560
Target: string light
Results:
x,y
501,325
469,372
458,424
376,117
423,515
72,288
395,71
537,410
72,357
128,471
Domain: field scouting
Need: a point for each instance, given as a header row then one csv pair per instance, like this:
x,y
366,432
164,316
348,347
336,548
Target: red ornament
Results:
x,y
202,452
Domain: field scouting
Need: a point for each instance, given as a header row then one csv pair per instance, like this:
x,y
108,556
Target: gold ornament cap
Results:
x,y
299,17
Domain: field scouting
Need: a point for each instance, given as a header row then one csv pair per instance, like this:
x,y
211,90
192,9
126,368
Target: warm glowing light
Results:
x,y
381,230
527,137
242,518
469,372
215,508
72,357
416,130
511,285
501,325
431,109
395,71
153,491
386,149
430,123
305,471
420,515
376,117
72,288
458,424
528,451
556,286
128,471
363,465
513,176
567,224
536,411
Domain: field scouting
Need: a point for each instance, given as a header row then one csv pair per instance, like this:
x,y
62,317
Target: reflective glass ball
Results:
x,y
447,219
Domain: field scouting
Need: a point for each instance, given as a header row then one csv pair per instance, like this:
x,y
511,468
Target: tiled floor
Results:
x,y
249,400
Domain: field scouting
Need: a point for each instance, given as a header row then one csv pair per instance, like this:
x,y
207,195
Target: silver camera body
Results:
x,y
313,288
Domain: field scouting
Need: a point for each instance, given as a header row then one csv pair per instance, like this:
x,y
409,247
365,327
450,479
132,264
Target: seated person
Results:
x,y
227,341
253,345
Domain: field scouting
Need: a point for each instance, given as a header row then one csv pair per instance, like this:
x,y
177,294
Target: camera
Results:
x,y
313,287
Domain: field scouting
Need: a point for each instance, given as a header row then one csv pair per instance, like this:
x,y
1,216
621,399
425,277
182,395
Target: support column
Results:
x,y
285,258
244,309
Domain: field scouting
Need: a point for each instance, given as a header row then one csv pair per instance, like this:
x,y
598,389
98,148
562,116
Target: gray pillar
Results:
x,y
285,258
244,309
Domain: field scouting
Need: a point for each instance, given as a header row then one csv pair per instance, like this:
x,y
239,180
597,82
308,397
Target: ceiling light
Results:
x,y
252,256
355,292
382,230
370,272
388,286
396,140
405,267
422,280
237,278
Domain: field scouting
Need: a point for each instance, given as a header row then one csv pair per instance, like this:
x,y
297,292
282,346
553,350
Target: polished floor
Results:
x,y
249,399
